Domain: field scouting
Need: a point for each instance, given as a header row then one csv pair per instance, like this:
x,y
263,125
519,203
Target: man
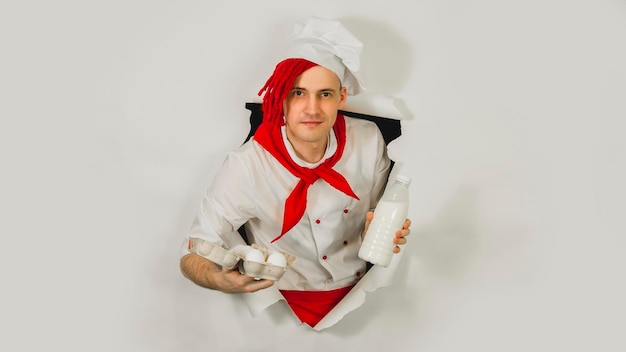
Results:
x,y
305,184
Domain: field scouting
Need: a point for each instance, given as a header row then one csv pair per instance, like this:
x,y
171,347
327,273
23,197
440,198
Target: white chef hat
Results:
x,y
329,44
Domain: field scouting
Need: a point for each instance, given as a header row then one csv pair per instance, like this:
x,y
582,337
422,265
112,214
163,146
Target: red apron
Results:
x,y
311,306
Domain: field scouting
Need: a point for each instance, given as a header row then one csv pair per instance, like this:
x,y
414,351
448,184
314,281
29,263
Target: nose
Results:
x,y
312,105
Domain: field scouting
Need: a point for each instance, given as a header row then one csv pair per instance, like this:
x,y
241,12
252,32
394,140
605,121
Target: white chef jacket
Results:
x,y
251,188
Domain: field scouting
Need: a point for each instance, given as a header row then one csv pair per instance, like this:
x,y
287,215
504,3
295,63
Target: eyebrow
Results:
x,y
321,90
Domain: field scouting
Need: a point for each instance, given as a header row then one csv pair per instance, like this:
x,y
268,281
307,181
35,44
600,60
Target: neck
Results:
x,y
310,152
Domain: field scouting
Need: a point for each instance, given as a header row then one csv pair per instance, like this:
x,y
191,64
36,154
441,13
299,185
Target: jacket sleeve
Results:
x,y
225,206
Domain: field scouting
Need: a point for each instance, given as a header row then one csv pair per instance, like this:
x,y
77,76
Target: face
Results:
x,y
311,107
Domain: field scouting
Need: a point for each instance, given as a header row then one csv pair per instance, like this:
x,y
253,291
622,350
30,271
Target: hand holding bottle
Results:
x,y
388,226
399,239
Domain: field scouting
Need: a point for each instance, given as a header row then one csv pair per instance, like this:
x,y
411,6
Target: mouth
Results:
x,y
311,123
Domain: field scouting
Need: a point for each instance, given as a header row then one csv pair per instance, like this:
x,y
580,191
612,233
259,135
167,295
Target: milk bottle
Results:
x,y
389,216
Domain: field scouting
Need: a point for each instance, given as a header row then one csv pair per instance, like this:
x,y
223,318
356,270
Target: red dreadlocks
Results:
x,y
278,86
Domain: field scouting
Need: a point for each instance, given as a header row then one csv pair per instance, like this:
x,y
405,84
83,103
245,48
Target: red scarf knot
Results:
x,y
270,138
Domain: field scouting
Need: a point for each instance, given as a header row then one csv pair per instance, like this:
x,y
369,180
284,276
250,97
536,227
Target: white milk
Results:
x,y
389,216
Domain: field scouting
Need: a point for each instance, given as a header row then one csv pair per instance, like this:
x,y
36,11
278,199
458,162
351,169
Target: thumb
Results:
x,y
368,219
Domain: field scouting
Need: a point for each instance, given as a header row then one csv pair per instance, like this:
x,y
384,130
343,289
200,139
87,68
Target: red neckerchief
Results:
x,y
268,135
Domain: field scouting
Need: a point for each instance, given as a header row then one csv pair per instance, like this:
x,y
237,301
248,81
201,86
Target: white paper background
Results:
x,y
116,114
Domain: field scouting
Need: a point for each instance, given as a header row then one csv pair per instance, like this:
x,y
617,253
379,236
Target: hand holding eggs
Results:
x,y
259,262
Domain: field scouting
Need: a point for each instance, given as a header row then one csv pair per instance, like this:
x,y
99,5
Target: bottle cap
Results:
x,y
403,178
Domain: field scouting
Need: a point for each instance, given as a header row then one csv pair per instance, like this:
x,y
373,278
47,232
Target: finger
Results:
x,y
368,219
403,233
235,275
407,224
399,240
243,283
231,272
256,285
396,249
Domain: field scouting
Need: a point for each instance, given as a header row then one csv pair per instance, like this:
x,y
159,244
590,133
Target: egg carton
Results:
x,y
230,259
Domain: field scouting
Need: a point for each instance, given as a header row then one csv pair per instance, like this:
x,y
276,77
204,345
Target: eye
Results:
x,y
326,94
297,93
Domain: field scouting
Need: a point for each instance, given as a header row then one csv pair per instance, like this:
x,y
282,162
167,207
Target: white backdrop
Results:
x,y
115,115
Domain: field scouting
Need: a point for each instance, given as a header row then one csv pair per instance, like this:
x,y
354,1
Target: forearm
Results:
x,y
199,270
205,273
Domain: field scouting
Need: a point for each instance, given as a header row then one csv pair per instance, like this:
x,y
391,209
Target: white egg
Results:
x,y
255,255
277,259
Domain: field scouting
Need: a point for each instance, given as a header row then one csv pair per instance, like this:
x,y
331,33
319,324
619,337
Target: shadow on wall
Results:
x,y
387,57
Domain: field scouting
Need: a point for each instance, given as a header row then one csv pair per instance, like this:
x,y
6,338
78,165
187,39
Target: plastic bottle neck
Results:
x,y
403,180
402,183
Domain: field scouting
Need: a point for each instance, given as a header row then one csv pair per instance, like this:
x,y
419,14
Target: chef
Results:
x,y
305,184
